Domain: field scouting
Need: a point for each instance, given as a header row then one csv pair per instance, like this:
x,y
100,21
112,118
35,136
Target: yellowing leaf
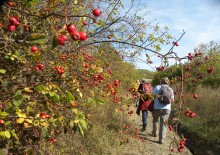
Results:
x,y
76,121
92,92
28,90
93,66
81,130
71,123
99,70
80,94
61,118
151,37
27,125
36,123
7,134
2,71
45,124
84,123
37,115
21,115
20,120
29,121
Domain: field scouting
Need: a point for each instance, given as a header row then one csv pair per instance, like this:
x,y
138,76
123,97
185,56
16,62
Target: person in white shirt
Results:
x,y
161,111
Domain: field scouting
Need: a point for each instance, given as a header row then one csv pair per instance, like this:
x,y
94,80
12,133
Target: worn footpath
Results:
x,y
150,146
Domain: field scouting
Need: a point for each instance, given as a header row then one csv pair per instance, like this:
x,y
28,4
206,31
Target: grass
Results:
x,y
101,138
205,126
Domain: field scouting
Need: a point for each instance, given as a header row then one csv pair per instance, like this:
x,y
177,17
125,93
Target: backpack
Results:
x,y
165,95
144,88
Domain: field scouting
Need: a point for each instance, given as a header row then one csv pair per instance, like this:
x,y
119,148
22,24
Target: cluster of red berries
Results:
x,y
98,77
188,68
198,54
39,67
116,99
116,83
62,39
75,35
63,57
111,89
34,49
26,27
210,70
52,140
175,43
161,68
59,70
190,56
43,115
182,145
13,23
190,114
199,75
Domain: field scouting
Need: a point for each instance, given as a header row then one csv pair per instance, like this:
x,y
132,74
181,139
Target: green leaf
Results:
x,y
70,96
3,114
51,93
27,97
7,123
2,71
38,38
81,130
10,110
169,36
56,98
44,132
54,43
14,134
7,134
2,135
84,124
100,101
158,48
151,37
91,100
18,93
17,103
40,88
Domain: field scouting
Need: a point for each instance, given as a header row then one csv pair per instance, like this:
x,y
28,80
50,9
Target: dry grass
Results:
x,y
207,108
99,139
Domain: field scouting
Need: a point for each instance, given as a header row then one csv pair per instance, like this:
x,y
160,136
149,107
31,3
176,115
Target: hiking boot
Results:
x,y
161,141
153,135
143,129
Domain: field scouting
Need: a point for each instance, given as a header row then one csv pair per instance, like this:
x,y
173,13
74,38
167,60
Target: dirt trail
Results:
x,y
150,146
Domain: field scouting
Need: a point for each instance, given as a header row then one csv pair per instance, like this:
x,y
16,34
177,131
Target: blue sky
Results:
x,y
200,19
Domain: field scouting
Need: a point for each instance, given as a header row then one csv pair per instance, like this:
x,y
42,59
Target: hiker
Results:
x,y
162,109
144,89
137,98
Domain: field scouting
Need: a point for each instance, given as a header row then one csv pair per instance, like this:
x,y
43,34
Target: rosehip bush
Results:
x,y
53,65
